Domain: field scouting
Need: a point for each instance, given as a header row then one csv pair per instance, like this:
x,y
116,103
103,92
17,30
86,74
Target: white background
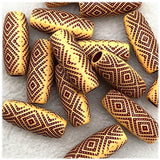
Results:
x,y
18,143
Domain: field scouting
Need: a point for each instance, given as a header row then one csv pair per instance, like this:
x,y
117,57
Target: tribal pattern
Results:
x,y
152,94
100,145
119,74
75,63
131,116
15,43
96,9
75,103
33,118
40,72
50,20
143,40
55,4
120,49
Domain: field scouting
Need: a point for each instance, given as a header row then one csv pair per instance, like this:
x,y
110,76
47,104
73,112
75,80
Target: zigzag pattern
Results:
x,y
40,72
75,103
15,43
143,41
96,9
34,118
131,116
76,65
119,74
152,94
49,21
55,4
100,145
120,49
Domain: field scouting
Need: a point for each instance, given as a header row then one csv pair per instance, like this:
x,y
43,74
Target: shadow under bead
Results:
x,y
75,103
50,20
40,72
76,65
99,9
33,118
100,145
131,116
143,40
15,43
120,49
119,74
152,94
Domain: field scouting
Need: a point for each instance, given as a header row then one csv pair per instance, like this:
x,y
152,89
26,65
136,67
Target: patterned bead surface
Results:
x,y
119,74
50,20
152,94
143,40
75,63
118,48
96,9
101,144
55,4
33,118
40,72
75,103
15,43
131,116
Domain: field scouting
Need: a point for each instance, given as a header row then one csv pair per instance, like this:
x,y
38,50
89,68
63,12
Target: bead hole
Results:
x,y
97,56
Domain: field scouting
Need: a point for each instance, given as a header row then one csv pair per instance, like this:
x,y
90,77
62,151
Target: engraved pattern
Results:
x,y
152,94
143,40
55,4
120,49
75,63
49,21
119,74
131,116
33,118
15,43
96,9
101,144
40,72
75,103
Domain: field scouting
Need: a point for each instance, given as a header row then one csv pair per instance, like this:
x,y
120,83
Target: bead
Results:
x,y
55,4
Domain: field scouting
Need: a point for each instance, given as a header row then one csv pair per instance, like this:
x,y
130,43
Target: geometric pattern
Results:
x,y
143,40
50,20
40,72
75,103
131,116
76,65
96,9
152,94
119,74
55,4
120,49
100,145
15,43
33,118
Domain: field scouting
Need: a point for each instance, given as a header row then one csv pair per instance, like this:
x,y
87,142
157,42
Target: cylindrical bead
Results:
x,y
152,94
120,49
97,9
131,116
50,20
100,145
15,43
40,72
75,103
55,4
75,63
34,118
143,40
119,74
